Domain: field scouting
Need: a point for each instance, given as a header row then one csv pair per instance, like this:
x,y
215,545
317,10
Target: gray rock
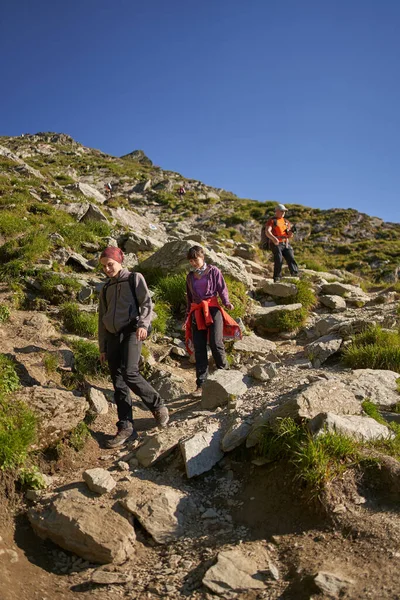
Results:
x,y
233,573
178,351
167,385
202,451
263,371
58,411
355,426
352,293
110,577
99,480
22,164
85,294
320,350
88,529
336,303
332,584
77,260
253,344
93,213
160,509
98,401
159,445
377,385
279,289
265,316
235,435
326,395
88,191
221,387
136,242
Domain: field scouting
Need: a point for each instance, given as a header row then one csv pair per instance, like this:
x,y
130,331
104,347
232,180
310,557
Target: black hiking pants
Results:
x,y
280,252
123,355
216,344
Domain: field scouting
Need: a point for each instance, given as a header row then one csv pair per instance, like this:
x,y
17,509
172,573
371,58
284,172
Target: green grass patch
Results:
x,y
56,288
9,380
317,460
79,322
5,313
172,290
386,446
87,358
51,362
17,432
237,296
79,436
31,478
163,319
305,295
374,349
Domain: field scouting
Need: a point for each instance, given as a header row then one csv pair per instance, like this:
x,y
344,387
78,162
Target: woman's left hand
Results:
x,y
229,306
141,334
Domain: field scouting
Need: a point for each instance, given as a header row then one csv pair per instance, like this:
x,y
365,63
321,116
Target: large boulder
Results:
x,y
138,242
353,293
203,450
279,289
139,224
160,509
255,345
234,574
93,213
172,258
325,395
221,387
320,350
58,411
336,303
265,317
88,190
377,385
358,427
85,527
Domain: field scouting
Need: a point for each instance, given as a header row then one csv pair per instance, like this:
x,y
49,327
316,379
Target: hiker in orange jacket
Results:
x,y
206,320
279,231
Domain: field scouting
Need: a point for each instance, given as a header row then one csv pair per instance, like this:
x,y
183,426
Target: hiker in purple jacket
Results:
x,y
124,319
206,320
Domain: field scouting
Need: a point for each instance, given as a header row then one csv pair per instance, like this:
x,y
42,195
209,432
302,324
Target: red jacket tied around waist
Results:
x,y
204,319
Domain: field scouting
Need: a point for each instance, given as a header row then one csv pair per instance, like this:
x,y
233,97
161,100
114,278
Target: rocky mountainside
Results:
x,y
281,481
46,172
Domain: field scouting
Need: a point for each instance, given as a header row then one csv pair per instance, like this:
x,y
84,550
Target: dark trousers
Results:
x,y
123,354
280,252
216,344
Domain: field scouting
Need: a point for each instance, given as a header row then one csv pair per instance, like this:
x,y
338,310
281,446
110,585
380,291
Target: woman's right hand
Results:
x,y
103,358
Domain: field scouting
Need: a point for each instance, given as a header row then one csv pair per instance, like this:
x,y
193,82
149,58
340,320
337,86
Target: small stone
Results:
x,y
210,513
99,480
122,465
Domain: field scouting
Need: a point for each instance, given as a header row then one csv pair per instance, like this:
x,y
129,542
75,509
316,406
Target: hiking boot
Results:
x,y
277,279
197,393
161,416
123,435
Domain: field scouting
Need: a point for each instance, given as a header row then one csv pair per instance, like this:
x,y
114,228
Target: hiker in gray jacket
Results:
x,y
124,319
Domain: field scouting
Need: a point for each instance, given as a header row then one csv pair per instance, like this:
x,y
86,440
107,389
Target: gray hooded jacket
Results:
x,y
120,307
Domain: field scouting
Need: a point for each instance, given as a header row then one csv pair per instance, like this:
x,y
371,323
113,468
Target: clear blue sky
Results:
x,y
290,100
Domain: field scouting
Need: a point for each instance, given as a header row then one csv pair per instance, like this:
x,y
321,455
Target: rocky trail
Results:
x,y
240,528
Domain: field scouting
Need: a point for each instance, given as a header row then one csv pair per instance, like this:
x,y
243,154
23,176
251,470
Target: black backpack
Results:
x,y
132,285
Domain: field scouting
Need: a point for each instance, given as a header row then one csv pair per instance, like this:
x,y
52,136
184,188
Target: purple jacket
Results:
x,y
214,284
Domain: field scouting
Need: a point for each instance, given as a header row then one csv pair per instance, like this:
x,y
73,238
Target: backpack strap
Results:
x,y
132,284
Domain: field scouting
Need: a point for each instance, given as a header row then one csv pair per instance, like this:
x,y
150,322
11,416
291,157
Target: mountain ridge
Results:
x,y
327,239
